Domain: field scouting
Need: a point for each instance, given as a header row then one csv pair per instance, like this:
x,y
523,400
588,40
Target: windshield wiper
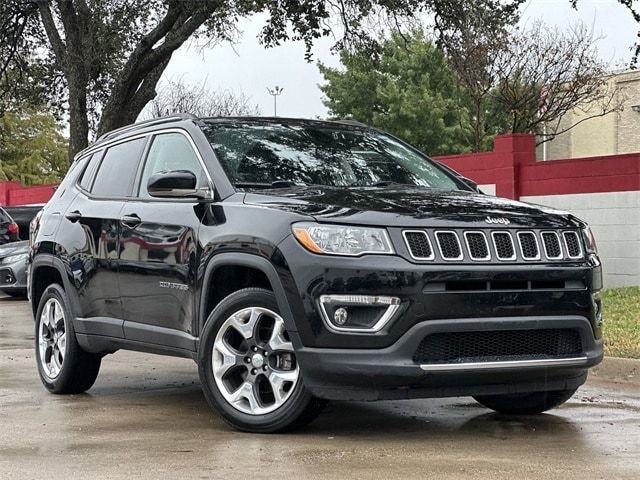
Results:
x,y
274,184
382,183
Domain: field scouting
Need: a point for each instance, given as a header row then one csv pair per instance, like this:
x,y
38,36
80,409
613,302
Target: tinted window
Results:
x,y
319,154
118,169
90,170
171,151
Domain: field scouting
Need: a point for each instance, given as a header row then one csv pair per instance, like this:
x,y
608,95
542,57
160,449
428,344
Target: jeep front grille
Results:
x,y
498,345
493,245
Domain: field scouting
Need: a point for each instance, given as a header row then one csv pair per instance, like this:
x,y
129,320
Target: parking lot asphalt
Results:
x,y
147,418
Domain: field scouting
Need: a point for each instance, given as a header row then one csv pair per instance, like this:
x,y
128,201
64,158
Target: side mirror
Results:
x,y
470,183
175,184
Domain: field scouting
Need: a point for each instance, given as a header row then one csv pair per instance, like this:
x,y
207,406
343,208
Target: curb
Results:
x,y
618,370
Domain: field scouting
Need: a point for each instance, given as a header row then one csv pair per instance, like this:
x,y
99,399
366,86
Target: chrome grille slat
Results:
x,y
477,246
419,244
551,243
572,244
503,244
529,248
449,245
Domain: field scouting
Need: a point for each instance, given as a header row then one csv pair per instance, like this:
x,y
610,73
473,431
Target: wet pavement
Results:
x,y
146,418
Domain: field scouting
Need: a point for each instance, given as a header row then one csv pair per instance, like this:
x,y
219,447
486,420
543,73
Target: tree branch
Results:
x,y
146,92
57,44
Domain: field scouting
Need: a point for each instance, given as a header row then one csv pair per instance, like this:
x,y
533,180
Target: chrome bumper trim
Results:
x,y
546,362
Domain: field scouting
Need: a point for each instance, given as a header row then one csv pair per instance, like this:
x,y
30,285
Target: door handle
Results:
x,y
130,221
74,216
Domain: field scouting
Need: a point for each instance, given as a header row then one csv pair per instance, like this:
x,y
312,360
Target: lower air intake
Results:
x,y
499,345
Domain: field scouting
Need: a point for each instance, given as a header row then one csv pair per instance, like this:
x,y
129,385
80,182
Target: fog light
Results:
x,y
358,313
340,316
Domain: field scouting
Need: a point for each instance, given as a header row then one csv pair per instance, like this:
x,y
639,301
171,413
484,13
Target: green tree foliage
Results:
x,y
406,89
32,149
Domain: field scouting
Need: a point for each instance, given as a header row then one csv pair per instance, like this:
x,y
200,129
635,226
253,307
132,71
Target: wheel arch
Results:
x,y
47,269
244,261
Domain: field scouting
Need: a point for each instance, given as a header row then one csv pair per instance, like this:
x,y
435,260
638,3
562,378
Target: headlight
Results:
x,y
589,241
341,239
14,258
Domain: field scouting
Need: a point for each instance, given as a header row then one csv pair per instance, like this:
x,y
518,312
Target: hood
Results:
x,y
410,207
14,248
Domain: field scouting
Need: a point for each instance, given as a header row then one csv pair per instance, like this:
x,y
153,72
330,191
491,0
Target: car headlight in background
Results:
x,y
342,239
589,241
14,258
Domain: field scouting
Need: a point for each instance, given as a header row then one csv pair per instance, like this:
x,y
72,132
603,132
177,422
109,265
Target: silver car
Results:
x,y
13,263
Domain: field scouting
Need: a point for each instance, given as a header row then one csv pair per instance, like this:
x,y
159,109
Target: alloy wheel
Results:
x,y
52,338
254,364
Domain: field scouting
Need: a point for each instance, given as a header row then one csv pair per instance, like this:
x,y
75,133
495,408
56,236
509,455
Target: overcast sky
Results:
x,y
249,67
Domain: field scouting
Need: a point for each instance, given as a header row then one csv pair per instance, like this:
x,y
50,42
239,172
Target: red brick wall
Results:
x,y
13,194
512,168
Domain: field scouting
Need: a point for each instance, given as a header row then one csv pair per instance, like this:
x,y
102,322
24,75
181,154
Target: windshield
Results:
x,y
273,154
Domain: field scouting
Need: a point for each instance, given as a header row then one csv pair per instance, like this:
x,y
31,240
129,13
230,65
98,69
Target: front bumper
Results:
x,y
306,277
383,365
391,373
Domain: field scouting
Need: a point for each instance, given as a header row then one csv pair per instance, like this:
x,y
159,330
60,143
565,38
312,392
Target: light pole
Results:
x,y
275,93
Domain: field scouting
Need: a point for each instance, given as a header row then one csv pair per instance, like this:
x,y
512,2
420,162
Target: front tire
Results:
x,y
62,365
530,403
248,367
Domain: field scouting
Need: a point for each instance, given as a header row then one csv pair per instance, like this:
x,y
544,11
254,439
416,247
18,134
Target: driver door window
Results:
x,y
170,151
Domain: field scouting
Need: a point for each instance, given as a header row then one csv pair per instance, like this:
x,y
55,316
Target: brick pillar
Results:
x,y
513,150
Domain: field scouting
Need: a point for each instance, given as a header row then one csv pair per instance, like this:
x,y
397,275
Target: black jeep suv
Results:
x,y
299,261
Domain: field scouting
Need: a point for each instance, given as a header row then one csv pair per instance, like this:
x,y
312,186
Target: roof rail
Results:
x,y
146,123
351,121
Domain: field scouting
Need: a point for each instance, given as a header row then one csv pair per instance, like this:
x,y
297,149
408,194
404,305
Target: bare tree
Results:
x,y
177,96
526,80
471,37
544,74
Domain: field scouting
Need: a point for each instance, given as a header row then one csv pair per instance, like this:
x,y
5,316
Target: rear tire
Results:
x,y
525,403
248,369
62,365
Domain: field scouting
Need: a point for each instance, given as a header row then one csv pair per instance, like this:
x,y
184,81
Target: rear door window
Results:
x,y
90,170
118,168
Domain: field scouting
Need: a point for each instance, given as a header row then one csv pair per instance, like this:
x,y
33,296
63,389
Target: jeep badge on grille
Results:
x,y
503,221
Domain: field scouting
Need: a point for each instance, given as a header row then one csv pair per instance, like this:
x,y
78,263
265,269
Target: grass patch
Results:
x,y
621,310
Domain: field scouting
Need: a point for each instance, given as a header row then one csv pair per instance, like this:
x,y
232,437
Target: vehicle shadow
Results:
x,y
410,422
432,418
